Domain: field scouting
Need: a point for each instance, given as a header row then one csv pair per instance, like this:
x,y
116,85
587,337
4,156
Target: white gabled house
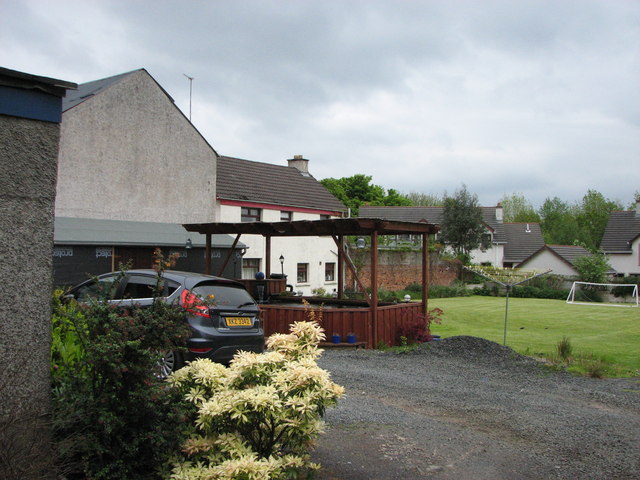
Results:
x,y
249,191
621,241
559,258
503,244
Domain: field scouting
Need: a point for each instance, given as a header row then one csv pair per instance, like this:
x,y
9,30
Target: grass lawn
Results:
x,y
535,326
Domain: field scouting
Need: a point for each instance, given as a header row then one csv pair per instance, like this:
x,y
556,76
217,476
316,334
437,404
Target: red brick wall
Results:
x,y
397,269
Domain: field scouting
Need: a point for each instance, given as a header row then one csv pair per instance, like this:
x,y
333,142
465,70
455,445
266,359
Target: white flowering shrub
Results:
x,y
257,418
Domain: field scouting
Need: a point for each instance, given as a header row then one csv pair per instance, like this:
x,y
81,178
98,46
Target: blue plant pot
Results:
x,y
351,339
335,338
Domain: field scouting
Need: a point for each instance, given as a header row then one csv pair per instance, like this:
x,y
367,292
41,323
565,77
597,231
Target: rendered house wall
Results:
x,y
128,153
546,260
627,264
316,251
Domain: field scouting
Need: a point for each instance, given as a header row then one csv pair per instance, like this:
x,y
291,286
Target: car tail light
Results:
x,y
200,350
193,304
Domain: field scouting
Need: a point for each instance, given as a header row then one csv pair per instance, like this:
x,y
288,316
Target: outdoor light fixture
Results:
x,y
282,264
360,243
189,244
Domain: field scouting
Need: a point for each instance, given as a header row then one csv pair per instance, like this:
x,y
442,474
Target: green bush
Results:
x,y
625,291
443,291
113,418
414,287
522,291
257,417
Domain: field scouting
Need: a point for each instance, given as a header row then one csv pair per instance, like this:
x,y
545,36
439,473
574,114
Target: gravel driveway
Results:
x,y
467,408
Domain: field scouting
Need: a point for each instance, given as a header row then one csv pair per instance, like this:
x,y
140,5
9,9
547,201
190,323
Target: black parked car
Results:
x,y
220,327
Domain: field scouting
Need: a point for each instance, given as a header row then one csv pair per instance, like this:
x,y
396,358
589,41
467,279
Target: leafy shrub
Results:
x,y
522,291
113,418
442,291
414,287
257,417
625,291
418,330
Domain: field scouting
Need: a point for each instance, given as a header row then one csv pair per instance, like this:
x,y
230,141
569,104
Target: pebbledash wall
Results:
x,y
128,153
29,134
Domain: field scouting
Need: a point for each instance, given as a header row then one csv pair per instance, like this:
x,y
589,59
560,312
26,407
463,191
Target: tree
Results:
x,y
357,190
592,218
462,226
592,268
558,222
518,209
426,199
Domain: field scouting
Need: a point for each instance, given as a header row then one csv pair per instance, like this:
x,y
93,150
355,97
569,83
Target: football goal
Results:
x,y
604,294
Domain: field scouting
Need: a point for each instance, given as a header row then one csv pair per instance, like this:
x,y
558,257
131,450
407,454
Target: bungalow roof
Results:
x,y
265,183
523,239
621,230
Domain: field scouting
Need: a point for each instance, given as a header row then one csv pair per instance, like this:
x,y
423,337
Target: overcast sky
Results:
x,y
530,96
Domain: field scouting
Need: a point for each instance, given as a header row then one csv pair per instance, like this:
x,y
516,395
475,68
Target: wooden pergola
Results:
x,y
338,229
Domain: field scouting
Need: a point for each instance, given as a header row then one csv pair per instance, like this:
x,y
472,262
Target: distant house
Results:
x,y
522,240
559,258
132,169
503,244
621,241
249,191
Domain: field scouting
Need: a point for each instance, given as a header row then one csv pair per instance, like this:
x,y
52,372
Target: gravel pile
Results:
x,y
465,407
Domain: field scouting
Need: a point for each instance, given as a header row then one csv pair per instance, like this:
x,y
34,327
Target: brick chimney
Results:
x,y
638,206
300,163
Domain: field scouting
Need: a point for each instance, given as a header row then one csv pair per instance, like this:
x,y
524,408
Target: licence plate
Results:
x,y
238,321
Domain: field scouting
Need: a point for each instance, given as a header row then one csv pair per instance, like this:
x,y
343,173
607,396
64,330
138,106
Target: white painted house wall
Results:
x,y
316,251
493,255
128,153
627,263
545,260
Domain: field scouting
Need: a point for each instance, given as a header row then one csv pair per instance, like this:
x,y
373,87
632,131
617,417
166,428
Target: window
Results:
x,y
303,273
329,272
144,287
250,266
250,214
286,216
324,217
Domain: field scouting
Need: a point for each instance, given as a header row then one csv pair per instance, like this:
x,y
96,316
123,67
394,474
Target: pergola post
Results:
x,y
232,251
340,266
374,286
425,272
207,255
267,260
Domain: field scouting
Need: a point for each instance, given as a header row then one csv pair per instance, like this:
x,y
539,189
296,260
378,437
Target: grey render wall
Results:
x,y
28,151
128,153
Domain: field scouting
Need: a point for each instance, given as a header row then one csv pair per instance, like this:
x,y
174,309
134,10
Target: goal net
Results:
x,y
604,294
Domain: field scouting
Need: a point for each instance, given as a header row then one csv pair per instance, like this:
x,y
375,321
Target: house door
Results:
x,y
136,257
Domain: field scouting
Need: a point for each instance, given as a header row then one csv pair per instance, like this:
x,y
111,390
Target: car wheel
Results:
x,y
169,362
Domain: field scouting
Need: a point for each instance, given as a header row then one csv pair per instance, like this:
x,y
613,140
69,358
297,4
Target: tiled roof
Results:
x,y
431,215
569,253
283,186
89,89
621,230
523,240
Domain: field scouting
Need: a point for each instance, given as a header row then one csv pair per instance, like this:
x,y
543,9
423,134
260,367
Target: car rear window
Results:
x,y
223,295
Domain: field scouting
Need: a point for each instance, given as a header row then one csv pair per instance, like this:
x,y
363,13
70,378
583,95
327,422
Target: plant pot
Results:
x,y
351,338
335,338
